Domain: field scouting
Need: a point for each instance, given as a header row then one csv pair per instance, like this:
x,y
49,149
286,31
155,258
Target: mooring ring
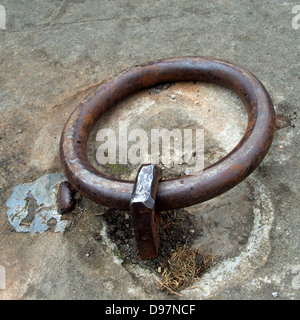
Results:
x,y
186,190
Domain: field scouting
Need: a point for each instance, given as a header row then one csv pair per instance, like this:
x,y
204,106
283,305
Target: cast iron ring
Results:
x,y
187,190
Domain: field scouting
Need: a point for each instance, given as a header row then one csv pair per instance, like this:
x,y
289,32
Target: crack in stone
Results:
x,y
50,26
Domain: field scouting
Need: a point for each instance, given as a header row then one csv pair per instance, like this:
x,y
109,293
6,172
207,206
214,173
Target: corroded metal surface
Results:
x,y
184,191
142,207
65,197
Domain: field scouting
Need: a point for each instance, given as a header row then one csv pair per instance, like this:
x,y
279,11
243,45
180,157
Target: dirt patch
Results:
x,y
177,263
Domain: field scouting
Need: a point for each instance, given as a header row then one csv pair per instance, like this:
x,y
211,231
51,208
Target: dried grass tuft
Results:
x,y
184,266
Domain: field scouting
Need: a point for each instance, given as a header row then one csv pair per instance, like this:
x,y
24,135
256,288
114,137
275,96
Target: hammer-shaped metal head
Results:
x,y
142,207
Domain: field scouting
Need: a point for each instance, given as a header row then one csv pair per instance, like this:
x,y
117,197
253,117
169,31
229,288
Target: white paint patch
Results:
x,y
32,205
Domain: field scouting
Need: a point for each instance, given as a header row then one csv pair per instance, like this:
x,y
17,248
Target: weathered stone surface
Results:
x,y
53,53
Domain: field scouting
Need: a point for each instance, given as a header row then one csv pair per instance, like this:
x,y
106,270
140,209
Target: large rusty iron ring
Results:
x,y
187,190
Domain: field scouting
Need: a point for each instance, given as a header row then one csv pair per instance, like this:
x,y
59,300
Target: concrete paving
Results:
x,y
52,54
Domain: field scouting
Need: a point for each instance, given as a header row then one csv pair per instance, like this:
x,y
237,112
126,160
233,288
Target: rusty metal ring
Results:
x,y
187,190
